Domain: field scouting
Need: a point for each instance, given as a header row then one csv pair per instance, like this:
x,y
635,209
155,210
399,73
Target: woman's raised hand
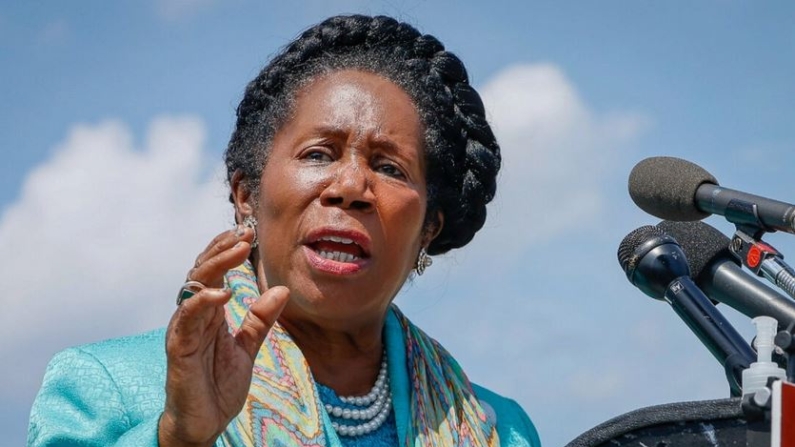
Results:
x,y
209,368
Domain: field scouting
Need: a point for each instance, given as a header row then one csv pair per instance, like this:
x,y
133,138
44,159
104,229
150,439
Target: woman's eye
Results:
x,y
318,156
391,170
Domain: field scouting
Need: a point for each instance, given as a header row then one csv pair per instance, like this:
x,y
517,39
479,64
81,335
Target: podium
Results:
x,y
709,423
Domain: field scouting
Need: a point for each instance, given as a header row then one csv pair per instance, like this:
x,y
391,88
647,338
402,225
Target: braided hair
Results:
x,y
461,153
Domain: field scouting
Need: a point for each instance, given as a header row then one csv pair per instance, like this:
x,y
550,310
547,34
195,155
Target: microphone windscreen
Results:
x,y
666,187
701,243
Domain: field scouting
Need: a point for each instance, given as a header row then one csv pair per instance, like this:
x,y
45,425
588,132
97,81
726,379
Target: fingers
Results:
x,y
196,321
229,249
218,242
203,312
260,318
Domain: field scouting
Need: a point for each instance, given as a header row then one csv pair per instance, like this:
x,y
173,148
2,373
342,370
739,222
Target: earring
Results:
x,y
251,222
423,261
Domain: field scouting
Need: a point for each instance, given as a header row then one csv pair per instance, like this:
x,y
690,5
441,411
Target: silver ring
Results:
x,y
189,289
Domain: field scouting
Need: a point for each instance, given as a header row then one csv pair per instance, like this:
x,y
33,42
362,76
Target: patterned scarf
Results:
x,y
283,407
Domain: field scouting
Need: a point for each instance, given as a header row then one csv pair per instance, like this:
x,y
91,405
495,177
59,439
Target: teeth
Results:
x,y
338,256
341,240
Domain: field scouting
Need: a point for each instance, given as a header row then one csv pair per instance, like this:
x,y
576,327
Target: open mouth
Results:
x,y
337,248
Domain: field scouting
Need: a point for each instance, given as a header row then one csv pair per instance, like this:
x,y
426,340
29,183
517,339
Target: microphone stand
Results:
x,y
786,341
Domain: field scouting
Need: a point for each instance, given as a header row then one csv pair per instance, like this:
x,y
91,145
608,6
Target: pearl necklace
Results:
x,y
377,403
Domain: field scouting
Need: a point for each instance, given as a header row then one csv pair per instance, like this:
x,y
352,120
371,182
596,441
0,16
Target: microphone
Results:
x,y
654,263
717,272
675,189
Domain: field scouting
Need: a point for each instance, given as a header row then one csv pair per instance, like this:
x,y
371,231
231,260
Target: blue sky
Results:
x,y
115,116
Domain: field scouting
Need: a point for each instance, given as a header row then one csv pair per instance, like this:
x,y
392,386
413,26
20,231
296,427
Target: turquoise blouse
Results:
x,y
112,393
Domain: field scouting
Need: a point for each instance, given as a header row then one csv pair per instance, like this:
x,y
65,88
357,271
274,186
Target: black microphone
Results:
x,y
675,189
654,262
718,273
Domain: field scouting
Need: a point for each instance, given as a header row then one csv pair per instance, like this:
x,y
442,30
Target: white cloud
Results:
x,y
101,237
556,155
178,9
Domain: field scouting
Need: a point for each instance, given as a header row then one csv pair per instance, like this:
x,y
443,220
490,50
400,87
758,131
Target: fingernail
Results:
x,y
240,230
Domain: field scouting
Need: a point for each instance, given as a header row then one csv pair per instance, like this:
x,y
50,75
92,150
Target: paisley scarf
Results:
x,y
283,407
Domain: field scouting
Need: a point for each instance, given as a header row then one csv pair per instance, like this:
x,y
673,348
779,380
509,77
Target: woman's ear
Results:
x,y
241,196
433,229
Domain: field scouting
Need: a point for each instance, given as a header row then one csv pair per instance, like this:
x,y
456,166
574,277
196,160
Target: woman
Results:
x,y
359,151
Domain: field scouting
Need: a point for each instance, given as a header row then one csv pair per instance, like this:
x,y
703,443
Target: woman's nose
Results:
x,y
350,187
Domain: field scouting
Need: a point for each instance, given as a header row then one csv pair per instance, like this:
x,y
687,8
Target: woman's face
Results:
x,y
343,197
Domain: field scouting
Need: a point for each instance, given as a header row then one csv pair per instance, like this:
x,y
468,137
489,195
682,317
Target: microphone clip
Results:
x,y
761,258
751,251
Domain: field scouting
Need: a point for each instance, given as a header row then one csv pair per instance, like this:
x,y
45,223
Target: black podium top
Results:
x,y
709,423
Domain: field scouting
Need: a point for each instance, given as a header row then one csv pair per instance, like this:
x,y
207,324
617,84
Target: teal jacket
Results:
x,y
112,393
